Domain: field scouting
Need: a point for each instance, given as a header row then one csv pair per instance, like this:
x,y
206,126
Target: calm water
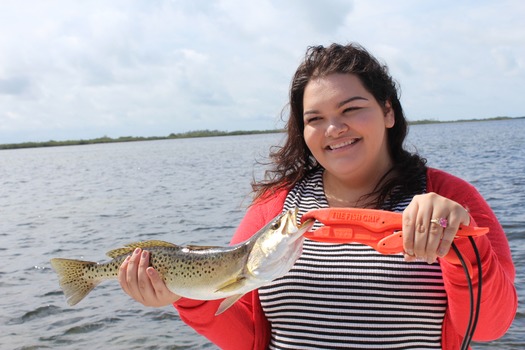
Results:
x,y
81,201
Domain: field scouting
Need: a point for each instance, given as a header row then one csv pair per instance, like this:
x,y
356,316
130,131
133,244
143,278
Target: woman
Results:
x,y
345,149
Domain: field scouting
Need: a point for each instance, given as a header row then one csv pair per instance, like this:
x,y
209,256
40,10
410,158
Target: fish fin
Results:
x,y
74,282
119,252
201,247
232,284
226,303
151,243
129,248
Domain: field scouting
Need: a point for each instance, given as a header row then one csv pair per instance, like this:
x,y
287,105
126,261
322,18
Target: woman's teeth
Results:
x,y
342,144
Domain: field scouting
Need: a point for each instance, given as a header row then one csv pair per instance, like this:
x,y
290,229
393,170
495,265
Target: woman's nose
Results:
x,y
336,128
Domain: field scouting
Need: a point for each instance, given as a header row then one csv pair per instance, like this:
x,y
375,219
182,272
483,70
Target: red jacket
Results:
x,y
244,325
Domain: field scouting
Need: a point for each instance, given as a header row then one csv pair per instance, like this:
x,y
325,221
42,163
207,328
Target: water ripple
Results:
x,y
38,313
83,201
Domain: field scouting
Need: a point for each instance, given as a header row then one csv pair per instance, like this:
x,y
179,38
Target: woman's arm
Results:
x,y
499,298
242,326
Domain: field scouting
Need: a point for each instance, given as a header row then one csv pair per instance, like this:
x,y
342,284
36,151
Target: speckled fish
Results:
x,y
199,272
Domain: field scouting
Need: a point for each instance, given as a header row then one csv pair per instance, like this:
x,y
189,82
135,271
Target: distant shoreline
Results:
x,y
199,133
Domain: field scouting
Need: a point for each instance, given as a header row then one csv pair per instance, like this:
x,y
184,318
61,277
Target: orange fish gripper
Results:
x,y
379,229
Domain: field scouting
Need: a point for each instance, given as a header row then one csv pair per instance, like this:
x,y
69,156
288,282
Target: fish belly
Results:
x,y
201,276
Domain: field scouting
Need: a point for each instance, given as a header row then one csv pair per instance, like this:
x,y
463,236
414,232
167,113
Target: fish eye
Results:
x,y
275,225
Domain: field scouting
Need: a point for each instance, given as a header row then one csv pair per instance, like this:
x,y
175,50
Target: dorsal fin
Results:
x,y
129,248
152,243
200,247
119,252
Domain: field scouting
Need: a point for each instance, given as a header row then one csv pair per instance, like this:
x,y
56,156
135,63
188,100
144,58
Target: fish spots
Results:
x,y
191,270
190,267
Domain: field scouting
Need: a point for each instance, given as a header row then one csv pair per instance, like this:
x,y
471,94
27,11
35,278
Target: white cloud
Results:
x,y
143,67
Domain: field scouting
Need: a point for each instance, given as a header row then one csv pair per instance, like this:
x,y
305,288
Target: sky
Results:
x,y
84,69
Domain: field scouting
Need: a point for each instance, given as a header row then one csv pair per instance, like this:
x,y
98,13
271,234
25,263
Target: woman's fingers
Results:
x,y
430,223
422,230
458,216
123,274
142,282
409,228
145,288
163,295
133,277
132,274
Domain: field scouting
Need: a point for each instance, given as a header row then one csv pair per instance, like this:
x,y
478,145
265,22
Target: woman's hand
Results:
x,y
142,282
423,236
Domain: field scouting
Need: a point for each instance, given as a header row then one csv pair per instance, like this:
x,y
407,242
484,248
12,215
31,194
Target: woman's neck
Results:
x,y
351,194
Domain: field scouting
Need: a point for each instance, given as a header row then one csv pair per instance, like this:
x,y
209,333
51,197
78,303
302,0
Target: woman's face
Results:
x,y
345,128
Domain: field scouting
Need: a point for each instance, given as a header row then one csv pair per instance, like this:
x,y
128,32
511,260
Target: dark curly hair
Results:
x,y
292,161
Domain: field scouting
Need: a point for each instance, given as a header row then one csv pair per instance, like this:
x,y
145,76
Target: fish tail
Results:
x,y
74,278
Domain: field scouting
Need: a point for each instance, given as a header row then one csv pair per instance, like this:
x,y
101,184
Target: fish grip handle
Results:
x,y
378,229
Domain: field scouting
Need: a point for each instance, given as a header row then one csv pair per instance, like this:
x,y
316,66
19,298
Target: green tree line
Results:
x,y
106,139
196,133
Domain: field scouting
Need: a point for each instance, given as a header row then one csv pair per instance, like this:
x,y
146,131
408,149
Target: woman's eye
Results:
x,y
350,109
312,119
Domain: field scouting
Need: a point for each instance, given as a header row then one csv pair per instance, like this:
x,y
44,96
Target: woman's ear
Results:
x,y
390,118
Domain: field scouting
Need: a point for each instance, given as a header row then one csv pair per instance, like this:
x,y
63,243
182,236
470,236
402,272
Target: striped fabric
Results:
x,y
348,296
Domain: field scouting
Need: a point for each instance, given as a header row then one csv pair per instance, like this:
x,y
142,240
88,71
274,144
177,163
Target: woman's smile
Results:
x,y
345,128
344,145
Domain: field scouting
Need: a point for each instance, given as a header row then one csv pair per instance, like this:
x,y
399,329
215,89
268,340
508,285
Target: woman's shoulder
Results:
x,y
268,205
271,198
438,180
448,185
263,209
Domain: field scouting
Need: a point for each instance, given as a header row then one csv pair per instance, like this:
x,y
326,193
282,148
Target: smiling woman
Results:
x,y
347,135
345,148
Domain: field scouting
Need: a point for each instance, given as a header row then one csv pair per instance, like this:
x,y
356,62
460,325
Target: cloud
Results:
x,y
15,86
153,67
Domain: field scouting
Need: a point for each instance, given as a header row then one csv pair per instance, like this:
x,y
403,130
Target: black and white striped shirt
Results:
x,y
348,296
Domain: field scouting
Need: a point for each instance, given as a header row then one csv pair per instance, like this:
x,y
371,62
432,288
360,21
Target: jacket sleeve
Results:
x,y
243,326
499,299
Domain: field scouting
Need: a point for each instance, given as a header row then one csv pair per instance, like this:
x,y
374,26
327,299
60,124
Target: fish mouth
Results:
x,y
277,250
290,224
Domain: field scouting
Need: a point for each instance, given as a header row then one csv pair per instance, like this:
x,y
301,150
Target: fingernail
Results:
x,y
441,252
410,252
137,251
144,254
